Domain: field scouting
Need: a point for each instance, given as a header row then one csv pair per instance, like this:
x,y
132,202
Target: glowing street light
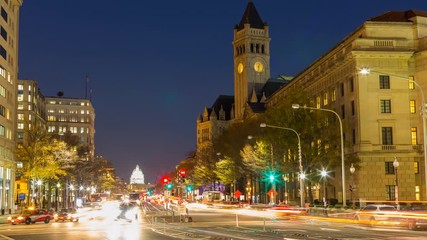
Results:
x,y
367,71
324,174
302,175
297,106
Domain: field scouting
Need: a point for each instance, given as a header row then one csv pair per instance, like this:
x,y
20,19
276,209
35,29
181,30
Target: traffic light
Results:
x,y
165,180
181,175
271,177
169,186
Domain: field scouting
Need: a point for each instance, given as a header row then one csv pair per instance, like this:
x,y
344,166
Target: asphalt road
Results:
x,y
218,224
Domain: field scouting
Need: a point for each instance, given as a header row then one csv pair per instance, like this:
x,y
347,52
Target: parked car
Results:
x,y
415,217
378,214
31,216
67,214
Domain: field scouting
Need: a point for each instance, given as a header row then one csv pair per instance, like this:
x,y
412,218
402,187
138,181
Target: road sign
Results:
x,y
21,196
237,194
272,192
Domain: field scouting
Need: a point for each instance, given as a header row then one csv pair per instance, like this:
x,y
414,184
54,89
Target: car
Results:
x,y
31,216
415,217
374,214
67,214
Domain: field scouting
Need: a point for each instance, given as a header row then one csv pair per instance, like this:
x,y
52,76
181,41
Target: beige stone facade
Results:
x,y
381,112
75,115
9,21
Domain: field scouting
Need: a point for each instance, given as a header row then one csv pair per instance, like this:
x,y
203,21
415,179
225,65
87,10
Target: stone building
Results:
x,y
381,112
9,21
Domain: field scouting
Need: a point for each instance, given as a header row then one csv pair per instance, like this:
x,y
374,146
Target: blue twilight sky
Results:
x,y
154,65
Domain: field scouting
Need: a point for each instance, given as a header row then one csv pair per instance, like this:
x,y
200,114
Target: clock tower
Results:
x,y
251,57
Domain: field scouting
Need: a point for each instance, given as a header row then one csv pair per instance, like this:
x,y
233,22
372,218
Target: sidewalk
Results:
x,y
3,218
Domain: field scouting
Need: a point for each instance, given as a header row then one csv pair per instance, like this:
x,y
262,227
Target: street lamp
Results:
x,y
39,183
352,170
297,106
285,180
366,71
302,175
324,173
396,189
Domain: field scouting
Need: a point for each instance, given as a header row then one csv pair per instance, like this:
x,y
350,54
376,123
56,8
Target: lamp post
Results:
x,y
285,180
302,175
39,183
324,173
366,71
352,170
396,189
297,106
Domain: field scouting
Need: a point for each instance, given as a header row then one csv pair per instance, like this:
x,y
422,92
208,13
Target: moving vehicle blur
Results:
x,y
378,214
66,214
31,216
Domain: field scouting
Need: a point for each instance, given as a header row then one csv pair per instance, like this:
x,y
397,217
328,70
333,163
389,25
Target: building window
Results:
x,y
351,85
387,135
417,193
411,82
412,108
20,97
385,106
325,99
354,136
353,108
390,192
342,111
414,136
416,167
20,106
3,52
3,33
384,82
317,102
21,116
389,168
342,89
4,14
20,135
20,126
334,95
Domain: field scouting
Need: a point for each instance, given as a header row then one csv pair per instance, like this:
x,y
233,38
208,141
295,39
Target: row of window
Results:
x,y
389,168
69,103
52,118
391,193
254,48
68,111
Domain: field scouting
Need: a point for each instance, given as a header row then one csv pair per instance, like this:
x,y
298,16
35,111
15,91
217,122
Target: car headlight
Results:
x,y
55,216
20,218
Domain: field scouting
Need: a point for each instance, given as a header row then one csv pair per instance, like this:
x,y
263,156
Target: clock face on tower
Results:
x,y
240,68
258,67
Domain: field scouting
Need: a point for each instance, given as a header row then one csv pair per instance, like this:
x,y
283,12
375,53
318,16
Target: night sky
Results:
x,y
154,65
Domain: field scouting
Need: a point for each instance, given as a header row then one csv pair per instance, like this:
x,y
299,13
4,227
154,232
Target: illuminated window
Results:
x,y
29,98
20,116
51,118
82,111
325,99
2,130
20,87
334,95
317,102
29,107
417,193
20,97
51,111
2,91
82,104
20,106
61,111
414,136
20,126
411,82
412,108
416,167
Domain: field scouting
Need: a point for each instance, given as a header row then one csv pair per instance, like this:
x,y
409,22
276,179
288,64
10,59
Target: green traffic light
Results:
x,y
169,186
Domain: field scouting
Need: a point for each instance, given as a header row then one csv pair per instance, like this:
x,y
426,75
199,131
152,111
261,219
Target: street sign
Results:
x,y
21,196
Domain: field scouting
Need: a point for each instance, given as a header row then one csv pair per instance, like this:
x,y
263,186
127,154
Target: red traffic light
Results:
x,y
182,173
165,180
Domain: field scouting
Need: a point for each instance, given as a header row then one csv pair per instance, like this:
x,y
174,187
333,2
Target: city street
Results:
x,y
207,223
